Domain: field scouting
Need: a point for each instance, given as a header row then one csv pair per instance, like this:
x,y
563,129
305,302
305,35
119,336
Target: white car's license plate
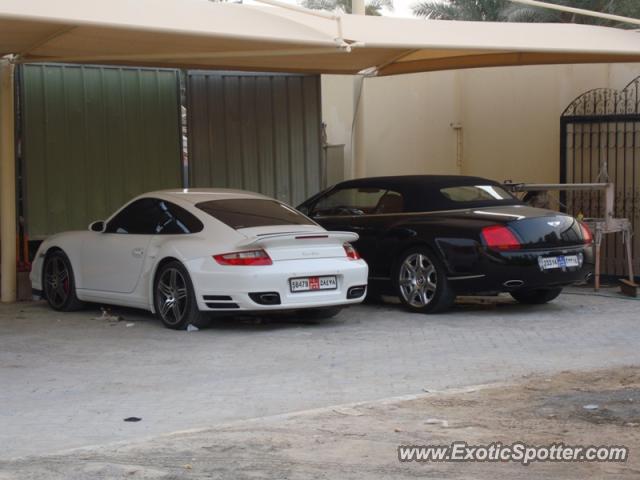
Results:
x,y
563,261
305,284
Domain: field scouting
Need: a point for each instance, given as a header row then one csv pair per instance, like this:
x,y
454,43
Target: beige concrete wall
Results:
x,y
407,124
509,118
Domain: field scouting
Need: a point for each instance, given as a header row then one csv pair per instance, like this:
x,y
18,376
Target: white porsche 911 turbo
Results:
x,y
183,253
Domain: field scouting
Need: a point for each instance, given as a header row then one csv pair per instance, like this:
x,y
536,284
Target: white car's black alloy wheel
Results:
x,y
59,283
172,296
57,286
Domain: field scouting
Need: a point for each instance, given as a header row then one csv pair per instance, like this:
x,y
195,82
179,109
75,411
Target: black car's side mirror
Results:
x,y
97,226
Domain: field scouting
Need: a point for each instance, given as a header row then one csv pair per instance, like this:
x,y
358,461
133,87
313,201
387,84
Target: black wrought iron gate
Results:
x,y
599,142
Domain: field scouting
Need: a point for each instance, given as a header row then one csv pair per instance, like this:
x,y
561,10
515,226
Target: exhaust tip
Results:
x,y
265,298
513,283
356,292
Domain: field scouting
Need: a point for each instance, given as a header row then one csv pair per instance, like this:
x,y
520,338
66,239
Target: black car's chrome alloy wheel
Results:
x,y
418,280
172,296
421,281
57,284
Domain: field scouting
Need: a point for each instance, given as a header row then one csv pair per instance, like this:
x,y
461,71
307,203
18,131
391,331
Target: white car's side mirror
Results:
x,y
97,226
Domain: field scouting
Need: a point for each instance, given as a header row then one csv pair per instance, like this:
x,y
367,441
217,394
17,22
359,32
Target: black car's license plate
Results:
x,y
306,284
562,261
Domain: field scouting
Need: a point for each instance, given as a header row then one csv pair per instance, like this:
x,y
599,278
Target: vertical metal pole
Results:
x,y
609,205
357,144
357,7
563,163
627,238
8,252
459,146
596,246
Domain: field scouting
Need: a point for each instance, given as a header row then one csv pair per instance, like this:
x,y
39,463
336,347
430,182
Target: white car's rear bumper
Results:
x,y
228,288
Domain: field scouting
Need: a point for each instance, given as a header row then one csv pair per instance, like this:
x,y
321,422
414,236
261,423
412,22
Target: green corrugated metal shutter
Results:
x,y
93,137
255,131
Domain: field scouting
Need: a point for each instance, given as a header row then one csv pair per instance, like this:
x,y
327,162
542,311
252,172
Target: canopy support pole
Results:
x,y
357,144
8,252
357,7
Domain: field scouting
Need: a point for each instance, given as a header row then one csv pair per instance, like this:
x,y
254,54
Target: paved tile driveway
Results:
x,y
68,380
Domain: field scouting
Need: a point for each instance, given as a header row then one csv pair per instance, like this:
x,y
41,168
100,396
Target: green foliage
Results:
x,y
487,10
505,11
625,8
372,7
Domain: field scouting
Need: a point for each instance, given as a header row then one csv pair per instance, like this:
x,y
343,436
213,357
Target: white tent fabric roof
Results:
x,y
205,35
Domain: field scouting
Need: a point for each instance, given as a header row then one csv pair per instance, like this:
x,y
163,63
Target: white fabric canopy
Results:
x,y
205,35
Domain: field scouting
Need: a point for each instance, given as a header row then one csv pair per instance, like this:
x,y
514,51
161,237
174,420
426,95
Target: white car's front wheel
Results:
x,y
59,283
174,297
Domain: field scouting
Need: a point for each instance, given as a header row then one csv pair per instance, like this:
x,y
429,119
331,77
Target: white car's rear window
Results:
x,y
253,212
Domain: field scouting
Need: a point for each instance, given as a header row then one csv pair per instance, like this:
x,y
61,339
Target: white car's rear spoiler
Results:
x,y
297,238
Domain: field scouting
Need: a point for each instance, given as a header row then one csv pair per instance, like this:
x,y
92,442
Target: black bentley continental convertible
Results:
x,y
428,238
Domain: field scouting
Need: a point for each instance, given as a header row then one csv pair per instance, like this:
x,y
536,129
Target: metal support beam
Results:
x,y
357,143
578,11
357,7
532,187
8,251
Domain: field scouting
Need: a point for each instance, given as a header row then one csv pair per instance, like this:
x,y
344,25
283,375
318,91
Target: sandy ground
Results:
x,y
68,380
359,441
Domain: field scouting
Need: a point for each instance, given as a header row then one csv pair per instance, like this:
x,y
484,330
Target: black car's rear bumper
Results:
x,y
510,271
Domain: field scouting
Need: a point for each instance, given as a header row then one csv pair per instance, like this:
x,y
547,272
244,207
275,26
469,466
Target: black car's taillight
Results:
x,y
499,237
587,236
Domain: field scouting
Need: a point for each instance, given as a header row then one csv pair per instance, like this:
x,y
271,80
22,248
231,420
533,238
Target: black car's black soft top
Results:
x,y
423,192
403,181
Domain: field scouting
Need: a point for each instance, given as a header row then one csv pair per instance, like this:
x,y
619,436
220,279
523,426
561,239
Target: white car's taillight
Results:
x,y
351,252
250,257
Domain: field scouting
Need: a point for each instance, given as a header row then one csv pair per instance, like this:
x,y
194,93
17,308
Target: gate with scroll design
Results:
x,y
600,142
